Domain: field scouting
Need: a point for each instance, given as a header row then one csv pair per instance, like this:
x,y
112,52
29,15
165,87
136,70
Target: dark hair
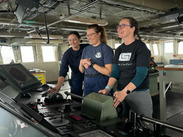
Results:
x,y
134,23
75,33
100,29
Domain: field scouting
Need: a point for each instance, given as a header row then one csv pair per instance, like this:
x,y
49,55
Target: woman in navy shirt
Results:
x,y
71,58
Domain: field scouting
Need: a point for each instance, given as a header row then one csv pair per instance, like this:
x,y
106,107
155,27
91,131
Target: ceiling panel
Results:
x,y
156,18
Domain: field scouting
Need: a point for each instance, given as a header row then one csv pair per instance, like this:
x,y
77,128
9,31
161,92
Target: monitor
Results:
x,y
13,123
17,76
100,107
95,133
2,83
7,89
20,12
23,6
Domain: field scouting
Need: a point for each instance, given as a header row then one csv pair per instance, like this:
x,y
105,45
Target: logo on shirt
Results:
x,y
98,55
125,56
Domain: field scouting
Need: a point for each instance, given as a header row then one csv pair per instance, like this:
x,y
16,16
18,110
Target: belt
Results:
x,y
94,75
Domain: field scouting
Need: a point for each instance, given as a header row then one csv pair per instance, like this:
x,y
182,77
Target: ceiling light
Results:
x,y
7,36
39,41
35,36
87,21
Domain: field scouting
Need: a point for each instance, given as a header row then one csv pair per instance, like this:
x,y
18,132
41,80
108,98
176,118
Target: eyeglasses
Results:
x,y
122,26
89,35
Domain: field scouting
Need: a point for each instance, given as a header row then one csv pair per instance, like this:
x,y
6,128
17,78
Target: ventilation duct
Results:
x,y
23,6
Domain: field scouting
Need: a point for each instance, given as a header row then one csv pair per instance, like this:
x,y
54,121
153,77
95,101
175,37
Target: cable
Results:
x,y
38,32
47,33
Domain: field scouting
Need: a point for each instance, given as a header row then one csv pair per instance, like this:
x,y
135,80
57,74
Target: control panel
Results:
x,y
66,117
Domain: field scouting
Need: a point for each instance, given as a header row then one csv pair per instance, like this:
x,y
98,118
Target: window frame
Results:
x,y
154,49
22,54
179,49
54,54
165,48
3,58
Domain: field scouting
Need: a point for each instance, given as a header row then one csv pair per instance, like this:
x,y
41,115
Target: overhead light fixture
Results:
x,y
39,41
7,36
87,21
35,36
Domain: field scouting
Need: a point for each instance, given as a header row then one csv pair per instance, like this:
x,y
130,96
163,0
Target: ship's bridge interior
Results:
x,y
34,35
40,23
158,19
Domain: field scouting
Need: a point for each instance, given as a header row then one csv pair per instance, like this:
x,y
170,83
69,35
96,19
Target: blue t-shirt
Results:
x,y
72,58
101,55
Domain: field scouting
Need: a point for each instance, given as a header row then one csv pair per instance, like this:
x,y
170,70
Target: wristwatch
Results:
x,y
127,91
92,63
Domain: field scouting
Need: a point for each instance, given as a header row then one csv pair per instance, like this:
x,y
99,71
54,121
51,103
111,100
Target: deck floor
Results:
x,y
174,99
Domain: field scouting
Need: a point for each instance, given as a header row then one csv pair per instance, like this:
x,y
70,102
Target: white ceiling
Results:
x,y
157,18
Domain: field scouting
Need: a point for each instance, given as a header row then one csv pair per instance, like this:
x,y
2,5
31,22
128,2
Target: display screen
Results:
x,y
8,90
95,133
15,126
17,75
2,84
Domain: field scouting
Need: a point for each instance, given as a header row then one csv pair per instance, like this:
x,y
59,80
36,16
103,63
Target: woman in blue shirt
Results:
x,y
96,60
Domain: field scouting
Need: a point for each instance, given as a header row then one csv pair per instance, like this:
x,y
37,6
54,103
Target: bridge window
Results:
x,y
168,47
7,54
117,45
27,54
155,49
148,46
180,48
48,53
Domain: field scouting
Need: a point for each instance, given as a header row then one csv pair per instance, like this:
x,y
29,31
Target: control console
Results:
x,y
64,115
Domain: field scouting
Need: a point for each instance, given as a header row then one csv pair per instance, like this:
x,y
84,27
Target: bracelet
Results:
x,y
108,88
